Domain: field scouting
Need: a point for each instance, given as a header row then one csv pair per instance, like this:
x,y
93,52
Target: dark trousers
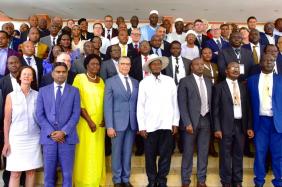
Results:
x,y
266,137
231,155
160,141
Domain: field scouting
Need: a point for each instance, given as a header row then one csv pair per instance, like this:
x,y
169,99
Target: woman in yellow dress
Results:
x,y
89,164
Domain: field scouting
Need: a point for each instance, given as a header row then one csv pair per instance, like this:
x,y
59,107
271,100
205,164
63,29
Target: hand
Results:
x,y
218,134
92,126
58,136
250,133
6,150
111,132
144,134
189,129
174,130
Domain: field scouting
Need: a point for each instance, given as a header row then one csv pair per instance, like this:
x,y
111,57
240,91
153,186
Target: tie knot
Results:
x,y
237,51
254,46
59,87
145,58
28,58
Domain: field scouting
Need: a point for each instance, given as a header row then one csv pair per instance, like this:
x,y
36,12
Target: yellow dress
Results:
x,y
89,164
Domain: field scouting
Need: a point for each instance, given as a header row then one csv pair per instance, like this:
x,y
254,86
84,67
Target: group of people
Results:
x,y
70,97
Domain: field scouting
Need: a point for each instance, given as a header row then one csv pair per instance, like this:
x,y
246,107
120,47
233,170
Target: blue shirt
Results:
x,y
3,60
147,32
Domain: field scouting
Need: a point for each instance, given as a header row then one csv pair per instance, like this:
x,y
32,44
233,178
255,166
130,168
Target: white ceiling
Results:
x,y
212,10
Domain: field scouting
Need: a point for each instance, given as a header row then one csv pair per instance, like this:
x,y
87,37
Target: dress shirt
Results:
x,y
53,38
276,32
157,106
115,40
197,78
15,83
217,39
121,48
181,68
106,32
56,88
270,39
275,70
143,62
3,60
159,51
189,53
257,49
178,37
237,109
122,78
32,64
105,44
267,109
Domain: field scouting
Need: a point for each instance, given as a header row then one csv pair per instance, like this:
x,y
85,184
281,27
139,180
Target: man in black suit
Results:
x,y
156,42
201,39
230,99
109,32
83,24
194,101
65,58
235,53
161,31
8,84
29,59
134,20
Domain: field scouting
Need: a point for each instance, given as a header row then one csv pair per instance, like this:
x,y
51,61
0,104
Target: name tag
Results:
x,y
242,69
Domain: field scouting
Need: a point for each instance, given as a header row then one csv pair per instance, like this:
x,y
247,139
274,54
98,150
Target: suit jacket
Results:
x,y
136,70
167,48
6,88
253,83
89,36
108,69
169,69
15,42
44,33
214,47
47,40
24,36
223,104
189,100
204,40
119,107
207,72
131,52
69,113
164,53
114,32
38,65
48,79
11,52
263,39
228,55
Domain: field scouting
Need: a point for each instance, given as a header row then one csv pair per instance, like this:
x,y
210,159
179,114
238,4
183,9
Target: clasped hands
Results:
x,y
58,136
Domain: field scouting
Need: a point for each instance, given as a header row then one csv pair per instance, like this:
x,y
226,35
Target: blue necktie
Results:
x,y
128,91
58,102
218,44
28,60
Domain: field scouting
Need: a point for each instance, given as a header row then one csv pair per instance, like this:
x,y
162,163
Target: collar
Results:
x,y
4,49
56,85
229,81
198,77
25,56
252,45
264,74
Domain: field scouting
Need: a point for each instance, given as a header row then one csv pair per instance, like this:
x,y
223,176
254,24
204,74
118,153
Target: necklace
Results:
x,y
91,77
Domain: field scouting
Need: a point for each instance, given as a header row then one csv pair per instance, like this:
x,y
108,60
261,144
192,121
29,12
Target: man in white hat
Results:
x,y
158,118
178,35
148,31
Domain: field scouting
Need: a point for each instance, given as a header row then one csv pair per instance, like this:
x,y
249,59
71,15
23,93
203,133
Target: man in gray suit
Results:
x,y
109,67
120,115
78,65
178,67
194,100
51,39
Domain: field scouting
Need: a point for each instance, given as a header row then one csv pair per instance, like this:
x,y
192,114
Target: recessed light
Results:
x,y
172,9
276,10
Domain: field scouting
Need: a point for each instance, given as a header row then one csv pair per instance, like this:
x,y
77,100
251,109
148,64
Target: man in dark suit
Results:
x,y
28,59
178,67
65,58
254,45
161,31
265,90
121,93
279,45
156,42
43,27
13,42
83,24
109,67
33,22
109,32
235,53
201,39
8,84
5,52
216,43
267,37
134,24
230,98
51,39
194,101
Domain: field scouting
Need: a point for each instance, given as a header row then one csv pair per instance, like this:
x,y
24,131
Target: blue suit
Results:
x,y
268,130
120,114
214,47
54,152
263,39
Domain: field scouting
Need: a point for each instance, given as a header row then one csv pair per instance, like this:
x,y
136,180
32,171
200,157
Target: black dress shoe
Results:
x,y
127,184
118,185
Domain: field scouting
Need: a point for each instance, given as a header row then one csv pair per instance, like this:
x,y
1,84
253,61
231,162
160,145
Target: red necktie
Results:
x,y
136,47
146,58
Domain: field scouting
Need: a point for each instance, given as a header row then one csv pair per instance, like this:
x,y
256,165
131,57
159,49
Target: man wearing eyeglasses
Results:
x,y
135,37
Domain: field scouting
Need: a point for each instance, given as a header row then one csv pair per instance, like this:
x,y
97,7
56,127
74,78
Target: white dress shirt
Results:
x,y
270,39
105,44
157,106
15,83
122,78
143,62
181,68
32,64
265,110
276,32
237,109
257,49
110,32
197,78
56,88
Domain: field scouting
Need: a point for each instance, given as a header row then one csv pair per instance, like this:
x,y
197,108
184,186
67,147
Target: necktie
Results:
x,y
128,91
255,55
108,34
58,102
146,58
176,71
157,51
266,92
28,60
136,47
123,52
203,97
218,44
54,41
236,97
199,39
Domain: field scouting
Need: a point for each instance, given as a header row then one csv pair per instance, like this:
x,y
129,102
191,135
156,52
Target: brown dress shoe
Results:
x,y
201,184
